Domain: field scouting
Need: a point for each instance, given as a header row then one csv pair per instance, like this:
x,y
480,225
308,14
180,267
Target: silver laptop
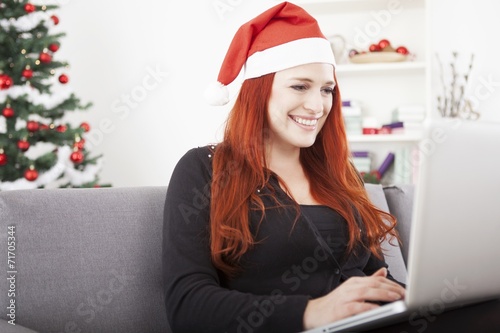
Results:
x,y
454,246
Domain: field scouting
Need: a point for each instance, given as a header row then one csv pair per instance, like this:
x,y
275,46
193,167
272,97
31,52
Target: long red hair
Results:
x,y
238,170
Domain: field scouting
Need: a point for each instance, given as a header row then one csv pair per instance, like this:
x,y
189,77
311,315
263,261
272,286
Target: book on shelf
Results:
x,y
351,103
360,154
405,165
393,128
362,161
352,115
386,164
412,116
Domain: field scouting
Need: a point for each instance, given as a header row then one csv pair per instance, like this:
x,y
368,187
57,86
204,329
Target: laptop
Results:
x,y
454,246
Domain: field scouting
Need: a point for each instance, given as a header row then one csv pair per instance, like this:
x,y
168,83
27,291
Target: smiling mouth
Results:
x,y
304,122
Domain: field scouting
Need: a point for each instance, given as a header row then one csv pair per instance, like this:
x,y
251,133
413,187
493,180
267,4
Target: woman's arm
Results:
x,y
375,264
355,295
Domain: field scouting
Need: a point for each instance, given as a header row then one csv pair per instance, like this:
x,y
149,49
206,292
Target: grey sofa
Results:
x,y
89,260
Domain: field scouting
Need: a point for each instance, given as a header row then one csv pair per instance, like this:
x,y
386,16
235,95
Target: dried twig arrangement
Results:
x,y
453,102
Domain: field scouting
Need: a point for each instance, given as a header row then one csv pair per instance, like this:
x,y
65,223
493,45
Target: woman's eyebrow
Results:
x,y
310,81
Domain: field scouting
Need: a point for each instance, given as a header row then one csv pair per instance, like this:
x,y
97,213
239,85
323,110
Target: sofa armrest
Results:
x,y
5,327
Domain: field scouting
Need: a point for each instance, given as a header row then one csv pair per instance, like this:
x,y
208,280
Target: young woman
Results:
x,y
271,230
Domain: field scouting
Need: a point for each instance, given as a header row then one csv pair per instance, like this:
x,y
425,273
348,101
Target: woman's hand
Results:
x,y
352,297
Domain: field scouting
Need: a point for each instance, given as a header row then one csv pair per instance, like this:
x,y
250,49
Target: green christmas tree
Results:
x,y
38,148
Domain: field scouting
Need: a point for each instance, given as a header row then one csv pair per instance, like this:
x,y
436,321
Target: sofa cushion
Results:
x,y
392,252
400,201
86,263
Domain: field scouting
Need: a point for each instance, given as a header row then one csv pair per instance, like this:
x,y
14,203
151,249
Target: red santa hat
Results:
x,y
282,37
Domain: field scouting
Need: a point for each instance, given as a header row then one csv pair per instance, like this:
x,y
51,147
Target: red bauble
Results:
x,y
27,73
63,78
80,144
32,126
61,128
29,8
403,50
5,81
375,48
8,112
3,159
85,126
44,127
23,145
45,57
54,47
55,19
76,157
31,174
383,43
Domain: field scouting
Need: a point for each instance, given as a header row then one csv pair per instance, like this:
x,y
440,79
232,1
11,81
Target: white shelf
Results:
x,y
407,137
381,67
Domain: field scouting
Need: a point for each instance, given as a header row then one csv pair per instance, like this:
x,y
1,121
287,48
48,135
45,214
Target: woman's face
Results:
x,y
301,98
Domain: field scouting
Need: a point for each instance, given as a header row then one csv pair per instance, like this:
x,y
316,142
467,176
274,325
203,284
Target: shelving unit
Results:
x,y
382,67
380,87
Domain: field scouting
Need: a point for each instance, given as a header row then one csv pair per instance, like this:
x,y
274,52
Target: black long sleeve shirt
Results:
x,y
290,263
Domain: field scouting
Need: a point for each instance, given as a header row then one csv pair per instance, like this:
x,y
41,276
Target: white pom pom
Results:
x,y
217,94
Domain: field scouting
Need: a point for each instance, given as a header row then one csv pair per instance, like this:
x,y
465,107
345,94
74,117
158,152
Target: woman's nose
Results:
x,y
314,102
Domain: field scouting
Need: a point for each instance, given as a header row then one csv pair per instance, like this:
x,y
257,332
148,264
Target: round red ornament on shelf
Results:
x,y
85,126
31,174
54,47
61,128
27,73
55,19
3,159
23,145
403,50
5,81
45,57
8,112
32,126
76,157
29,8
375,48
63,78
383,43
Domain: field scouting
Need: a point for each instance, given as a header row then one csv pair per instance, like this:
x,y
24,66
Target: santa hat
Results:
x,y
282,37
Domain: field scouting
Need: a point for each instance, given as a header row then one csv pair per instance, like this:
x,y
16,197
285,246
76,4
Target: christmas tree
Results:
x,y
38,148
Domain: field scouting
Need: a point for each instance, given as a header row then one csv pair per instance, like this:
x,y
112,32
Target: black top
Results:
x,y
290,263
331,226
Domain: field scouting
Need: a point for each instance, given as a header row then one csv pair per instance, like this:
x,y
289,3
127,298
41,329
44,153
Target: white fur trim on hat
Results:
x,y
288,55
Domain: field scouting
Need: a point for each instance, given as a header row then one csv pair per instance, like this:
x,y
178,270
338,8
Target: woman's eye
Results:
x,y
299,87
329,91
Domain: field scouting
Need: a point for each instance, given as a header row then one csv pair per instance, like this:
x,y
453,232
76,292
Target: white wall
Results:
x,y
113,46
469,27
140,124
